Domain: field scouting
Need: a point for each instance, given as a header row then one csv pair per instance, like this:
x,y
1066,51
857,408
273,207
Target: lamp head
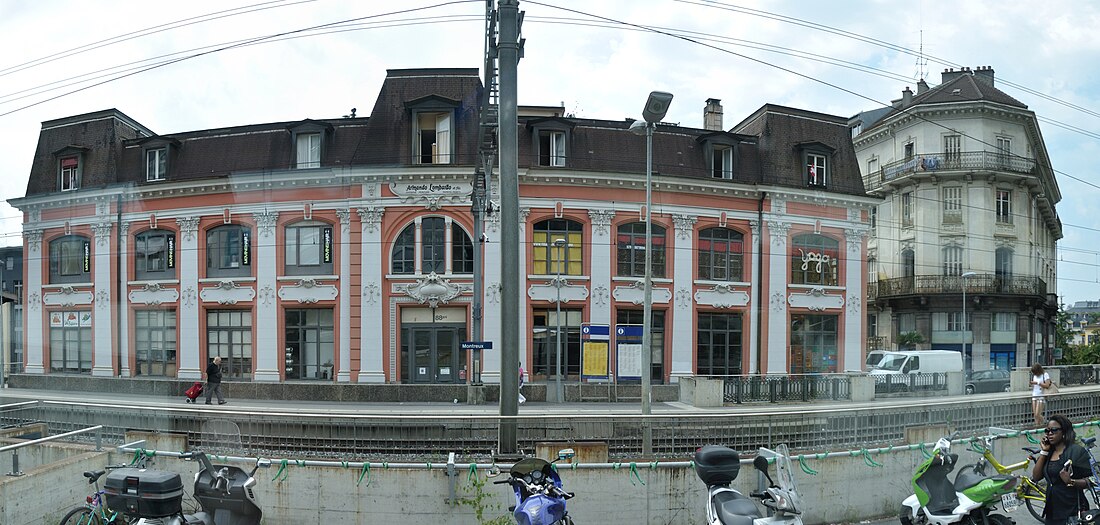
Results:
x,y
656,106
638,127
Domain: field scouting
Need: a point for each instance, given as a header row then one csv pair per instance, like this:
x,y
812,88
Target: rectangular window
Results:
x,y
155,343
657,341
1004,206
229,336
1004,322
813,344
815,170
872,166
952,260
552,148
952,205
952,150
955,321
907,323
154,255
909,151
719,339
70,173
907,209
71,341
433,138
309,151
156,164
229,251
874,217
544,337
310,344
722,162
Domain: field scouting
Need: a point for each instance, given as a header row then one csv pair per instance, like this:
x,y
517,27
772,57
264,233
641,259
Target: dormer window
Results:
x,y
156,164
815,169
722,162
69,172
815,163
433,130
552,148
550,141
720,149
308,137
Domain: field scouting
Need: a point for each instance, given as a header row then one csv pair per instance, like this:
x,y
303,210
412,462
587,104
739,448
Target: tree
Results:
x,y
909,340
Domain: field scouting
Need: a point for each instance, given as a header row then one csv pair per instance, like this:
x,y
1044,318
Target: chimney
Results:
x,y
950,74
985,74
907,97
922,86
712,115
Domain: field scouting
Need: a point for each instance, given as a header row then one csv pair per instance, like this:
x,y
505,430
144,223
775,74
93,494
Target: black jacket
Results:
x,y
213,373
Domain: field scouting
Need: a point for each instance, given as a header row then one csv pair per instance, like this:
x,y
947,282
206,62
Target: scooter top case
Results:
x,y
239,501
717,465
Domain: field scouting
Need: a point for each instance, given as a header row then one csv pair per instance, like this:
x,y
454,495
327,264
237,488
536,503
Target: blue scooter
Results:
x,y
540,500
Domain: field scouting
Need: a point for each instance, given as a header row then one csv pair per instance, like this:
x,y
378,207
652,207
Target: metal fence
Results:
x,y
800,387
1070,375
910,383
350,437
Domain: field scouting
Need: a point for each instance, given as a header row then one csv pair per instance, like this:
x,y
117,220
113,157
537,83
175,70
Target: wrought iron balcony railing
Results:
x,y
953,284
966,160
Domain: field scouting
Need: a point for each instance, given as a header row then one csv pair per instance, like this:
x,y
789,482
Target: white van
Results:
x,y
919,362
874,357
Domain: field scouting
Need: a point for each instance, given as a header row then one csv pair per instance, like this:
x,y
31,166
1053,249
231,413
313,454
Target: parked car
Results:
x,y
987,381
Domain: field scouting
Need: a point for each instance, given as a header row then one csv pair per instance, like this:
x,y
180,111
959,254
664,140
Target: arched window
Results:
x,y
721,254
308,248
155,255
229,251
548,252
433,246
70,260
814,259
631,250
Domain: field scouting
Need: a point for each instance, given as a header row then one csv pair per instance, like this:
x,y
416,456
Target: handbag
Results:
x,y
1052,389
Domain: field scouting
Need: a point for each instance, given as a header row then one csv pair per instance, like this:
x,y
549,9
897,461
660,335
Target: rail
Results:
x,y
964,160
988,284
15,448
794,387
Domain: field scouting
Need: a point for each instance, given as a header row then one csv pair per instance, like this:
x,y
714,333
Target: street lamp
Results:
x,y
966,330
655,108
559,392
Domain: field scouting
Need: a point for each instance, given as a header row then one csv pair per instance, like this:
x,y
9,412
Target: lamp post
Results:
x,y
655,108
559,391
965,326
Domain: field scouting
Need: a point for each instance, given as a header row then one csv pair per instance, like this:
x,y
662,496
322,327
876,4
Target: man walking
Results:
x,y
214,380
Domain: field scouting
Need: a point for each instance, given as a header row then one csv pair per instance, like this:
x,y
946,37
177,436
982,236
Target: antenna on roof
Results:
x,y
922,62
352,115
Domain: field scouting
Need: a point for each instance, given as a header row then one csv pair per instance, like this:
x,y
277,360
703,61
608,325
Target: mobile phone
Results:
x,y
1068,465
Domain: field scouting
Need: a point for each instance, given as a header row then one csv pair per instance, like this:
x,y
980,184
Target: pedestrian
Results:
x,y
214,380
1065,466
1039,380
522,398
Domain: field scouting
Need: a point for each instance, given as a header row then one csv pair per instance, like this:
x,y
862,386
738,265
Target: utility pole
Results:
x,y
483,176
509,52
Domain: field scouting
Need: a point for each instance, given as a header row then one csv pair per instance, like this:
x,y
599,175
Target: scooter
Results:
x,y
970,500
540,500
718,466
224,493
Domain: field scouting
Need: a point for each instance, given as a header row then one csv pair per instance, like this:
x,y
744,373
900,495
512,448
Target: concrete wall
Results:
x,y
46,492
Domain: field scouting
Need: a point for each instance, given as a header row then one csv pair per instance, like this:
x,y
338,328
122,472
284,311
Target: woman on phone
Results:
x,y
1039,380
1065,466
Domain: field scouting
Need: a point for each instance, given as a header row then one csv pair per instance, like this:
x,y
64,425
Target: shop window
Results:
x,y
70,260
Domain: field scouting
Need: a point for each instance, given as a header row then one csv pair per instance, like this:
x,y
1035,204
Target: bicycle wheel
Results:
x,y
80,516
1035,497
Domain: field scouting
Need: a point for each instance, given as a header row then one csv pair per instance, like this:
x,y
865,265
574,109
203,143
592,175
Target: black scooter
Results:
x,y
224,493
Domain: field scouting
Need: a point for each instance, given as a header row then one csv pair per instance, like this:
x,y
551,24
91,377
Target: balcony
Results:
x,y
966,161
986,284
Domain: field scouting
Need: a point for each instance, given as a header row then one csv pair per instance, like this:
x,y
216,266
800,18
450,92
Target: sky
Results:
x,y
594,57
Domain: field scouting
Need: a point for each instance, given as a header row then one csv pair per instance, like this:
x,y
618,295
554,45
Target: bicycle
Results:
x,y
1094,479
94,511
1032,493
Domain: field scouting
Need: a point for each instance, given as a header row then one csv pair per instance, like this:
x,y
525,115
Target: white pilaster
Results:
x,y
343,303
603,259
683,326
267,349
777,298
187,261
524,331
371,333
754,291
32,337
102,327
491,324
853,311
123,302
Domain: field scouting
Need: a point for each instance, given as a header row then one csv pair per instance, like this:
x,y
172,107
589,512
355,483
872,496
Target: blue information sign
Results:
x,y
477,345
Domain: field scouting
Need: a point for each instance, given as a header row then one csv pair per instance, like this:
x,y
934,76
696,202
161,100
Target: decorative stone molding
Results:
x,y
67,297
815,299
102,233
854,237
600,295
433,195
492,218
189,226
779,206
601,221
102,299
308,291
683,298
684,225
154,295
227,292
722,295
557,287
344,216
778,304
754,227
266,295
635,293
372,293
853,303
371,218
265,222
778,231
523,214
188,296
34,239
102,209
123,232
853,214
34,301
36,215
433,290
492,292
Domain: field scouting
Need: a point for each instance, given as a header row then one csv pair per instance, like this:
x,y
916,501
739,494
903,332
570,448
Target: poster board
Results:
x,y
595,347
628,351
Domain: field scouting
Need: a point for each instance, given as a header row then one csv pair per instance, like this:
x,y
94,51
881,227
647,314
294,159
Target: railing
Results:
x,y
969,160
800,387
953,284
98,429
1078,374
907,383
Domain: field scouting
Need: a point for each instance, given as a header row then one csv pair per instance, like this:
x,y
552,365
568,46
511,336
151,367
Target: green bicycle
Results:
x,y
1032,493
94,511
